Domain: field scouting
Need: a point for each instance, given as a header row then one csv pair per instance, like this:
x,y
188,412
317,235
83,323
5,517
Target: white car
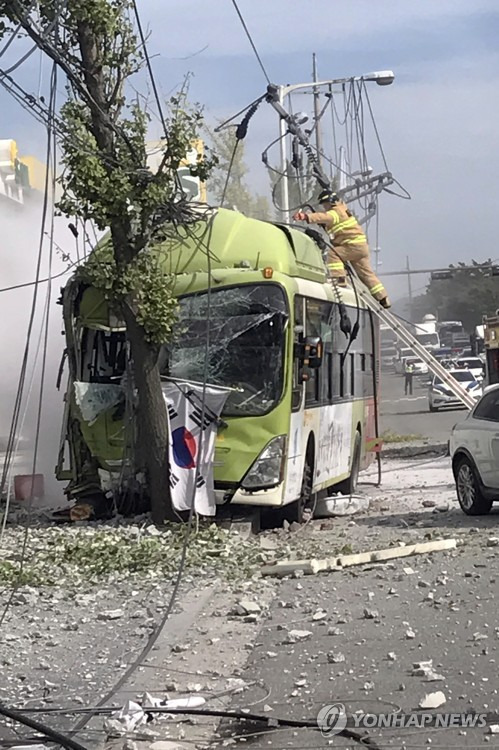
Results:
x,y
473,364
474,449
440,395
419,367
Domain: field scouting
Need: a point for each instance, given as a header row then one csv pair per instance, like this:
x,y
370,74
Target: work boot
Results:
x,y
341,281
385,302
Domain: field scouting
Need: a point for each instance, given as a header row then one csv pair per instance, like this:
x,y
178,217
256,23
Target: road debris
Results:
x,y
111,614
341,505
298,635
335,657
433,700
331,564
246,607
425,669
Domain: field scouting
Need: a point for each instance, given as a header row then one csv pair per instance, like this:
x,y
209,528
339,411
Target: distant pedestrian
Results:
x,y
409,374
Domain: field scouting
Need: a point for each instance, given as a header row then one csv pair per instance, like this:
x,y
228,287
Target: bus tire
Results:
x,y
302,509
349,486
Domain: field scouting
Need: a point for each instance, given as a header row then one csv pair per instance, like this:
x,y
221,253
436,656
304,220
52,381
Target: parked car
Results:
x,y
474,450
448,363
473,364
440,395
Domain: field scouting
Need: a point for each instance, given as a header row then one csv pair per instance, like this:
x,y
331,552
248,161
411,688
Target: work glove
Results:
x,y
300,216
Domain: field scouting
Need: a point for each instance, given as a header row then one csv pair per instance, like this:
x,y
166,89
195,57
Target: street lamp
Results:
x,y
382,78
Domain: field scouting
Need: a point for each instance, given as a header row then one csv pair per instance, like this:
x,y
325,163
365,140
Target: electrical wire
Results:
x,y
229,170
40,281
253,46
242,715
16,31
149,68
169,608
20,391
226,123
20,431
376,350
46,731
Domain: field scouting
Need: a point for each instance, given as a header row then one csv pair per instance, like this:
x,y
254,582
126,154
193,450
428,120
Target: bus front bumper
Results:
x,y
272,497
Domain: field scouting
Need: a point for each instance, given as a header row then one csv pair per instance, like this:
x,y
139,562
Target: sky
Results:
x,y
438,121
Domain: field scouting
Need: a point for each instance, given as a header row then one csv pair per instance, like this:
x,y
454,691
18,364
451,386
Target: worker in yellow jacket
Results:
x,y
348,243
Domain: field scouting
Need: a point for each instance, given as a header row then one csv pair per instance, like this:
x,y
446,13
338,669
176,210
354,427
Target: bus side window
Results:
x,y
338,389
318,323
298,333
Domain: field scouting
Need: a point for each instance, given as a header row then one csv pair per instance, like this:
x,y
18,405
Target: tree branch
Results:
x,y
54,55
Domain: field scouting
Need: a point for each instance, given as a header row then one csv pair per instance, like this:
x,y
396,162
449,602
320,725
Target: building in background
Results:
x,y
194,189
22,178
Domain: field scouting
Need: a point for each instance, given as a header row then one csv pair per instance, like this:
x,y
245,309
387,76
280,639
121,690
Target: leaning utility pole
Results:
x,y
317,111
409,287
289,125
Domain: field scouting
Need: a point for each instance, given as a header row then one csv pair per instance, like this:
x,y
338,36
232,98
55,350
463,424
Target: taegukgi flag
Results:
x,y
192,433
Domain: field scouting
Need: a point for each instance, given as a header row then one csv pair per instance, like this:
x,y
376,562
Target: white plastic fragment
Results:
x,y
341,505
433,700
191,701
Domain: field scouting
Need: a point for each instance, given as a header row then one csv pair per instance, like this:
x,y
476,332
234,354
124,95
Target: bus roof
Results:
x,y
239,249
235,241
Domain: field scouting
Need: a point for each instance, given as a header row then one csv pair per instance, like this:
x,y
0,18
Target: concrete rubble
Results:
x,y
370,630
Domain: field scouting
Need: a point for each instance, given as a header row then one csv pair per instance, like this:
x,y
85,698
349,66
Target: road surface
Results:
x,y
409,415
366,628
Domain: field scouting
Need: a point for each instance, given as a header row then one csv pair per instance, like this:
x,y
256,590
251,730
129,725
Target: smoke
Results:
x,y
19,247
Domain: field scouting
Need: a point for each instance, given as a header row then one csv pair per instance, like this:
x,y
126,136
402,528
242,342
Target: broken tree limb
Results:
x,y
329,564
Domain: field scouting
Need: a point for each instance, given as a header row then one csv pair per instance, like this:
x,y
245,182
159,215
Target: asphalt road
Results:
x,y
366,627
409,415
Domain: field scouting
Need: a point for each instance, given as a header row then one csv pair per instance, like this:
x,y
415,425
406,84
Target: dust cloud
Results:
x,y
19,248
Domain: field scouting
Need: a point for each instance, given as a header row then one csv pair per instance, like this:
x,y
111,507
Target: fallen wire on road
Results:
x,y
46,731
430,722
241,715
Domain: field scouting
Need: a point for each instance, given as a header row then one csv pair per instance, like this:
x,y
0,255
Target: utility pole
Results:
x,y
317,110
409,287
276,96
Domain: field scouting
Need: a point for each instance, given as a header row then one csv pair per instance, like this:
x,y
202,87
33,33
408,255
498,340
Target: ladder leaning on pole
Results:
x,y
411,341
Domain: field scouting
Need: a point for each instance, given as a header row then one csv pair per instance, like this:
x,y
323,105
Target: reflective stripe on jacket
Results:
x,y
346,230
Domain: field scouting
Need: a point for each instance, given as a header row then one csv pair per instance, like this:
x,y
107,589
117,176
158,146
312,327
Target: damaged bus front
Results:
x,y
258,317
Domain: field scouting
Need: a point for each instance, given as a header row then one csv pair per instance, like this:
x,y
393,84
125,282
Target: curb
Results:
x,y
412,450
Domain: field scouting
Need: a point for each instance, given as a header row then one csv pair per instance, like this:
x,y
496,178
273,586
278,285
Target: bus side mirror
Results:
x,y
310,352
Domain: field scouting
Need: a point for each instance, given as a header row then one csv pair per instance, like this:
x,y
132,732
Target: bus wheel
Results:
x,y
349,486
302,509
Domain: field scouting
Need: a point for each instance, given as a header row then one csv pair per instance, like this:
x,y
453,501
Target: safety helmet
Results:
x,y
327,196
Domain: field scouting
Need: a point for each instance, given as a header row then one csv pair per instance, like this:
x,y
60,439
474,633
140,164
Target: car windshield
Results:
x,y
414,362
245,331
462,376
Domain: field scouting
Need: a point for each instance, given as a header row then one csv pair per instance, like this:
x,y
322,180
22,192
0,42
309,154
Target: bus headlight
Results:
x,y
267,470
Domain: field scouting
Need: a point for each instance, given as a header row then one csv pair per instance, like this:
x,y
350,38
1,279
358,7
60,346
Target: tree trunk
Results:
x,y
152,432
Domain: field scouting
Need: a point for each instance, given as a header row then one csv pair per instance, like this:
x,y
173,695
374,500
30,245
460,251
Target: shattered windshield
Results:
x,y
246,339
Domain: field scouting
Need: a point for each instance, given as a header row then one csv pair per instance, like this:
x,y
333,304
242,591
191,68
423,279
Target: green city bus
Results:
x,y
301,416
